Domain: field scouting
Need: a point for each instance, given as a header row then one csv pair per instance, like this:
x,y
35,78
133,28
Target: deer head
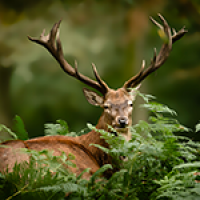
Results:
x,y
117,104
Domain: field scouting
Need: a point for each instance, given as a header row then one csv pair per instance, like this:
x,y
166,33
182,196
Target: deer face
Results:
x,y
117,105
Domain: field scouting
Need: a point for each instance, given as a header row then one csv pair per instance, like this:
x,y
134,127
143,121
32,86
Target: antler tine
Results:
x,y
53,44
156,23
54,34
167,46
105,87
162,56
177,35
76,69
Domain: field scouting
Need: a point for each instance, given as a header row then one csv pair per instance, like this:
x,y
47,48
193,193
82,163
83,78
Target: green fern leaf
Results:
x,y
19,128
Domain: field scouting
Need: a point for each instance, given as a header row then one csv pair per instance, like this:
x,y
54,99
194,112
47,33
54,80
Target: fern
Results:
x,y
157,165
198,127
60,128
6,129
19,129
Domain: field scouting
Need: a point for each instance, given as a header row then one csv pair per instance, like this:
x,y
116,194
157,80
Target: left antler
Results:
x,y
53,44
159,59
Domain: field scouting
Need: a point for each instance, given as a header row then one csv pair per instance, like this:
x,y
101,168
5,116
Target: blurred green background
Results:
x,y
116,35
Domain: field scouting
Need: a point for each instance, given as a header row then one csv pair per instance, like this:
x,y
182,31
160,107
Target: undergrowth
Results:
x,y
158,165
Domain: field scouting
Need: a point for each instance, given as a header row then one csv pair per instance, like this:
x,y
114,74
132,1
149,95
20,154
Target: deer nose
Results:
x,y
123,122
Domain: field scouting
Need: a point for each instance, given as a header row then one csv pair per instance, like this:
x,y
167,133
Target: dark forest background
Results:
x,y
116,35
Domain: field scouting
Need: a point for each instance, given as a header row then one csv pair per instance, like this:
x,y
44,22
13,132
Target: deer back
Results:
x,y
86,156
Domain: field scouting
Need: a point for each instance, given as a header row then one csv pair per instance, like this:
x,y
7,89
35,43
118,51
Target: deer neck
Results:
x,y
102,124
93,137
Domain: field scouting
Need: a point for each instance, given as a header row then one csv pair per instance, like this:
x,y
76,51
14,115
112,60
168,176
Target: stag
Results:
x,y
116,105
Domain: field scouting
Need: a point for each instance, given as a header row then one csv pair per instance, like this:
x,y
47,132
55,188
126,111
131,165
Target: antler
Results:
x,y
159,59
53,44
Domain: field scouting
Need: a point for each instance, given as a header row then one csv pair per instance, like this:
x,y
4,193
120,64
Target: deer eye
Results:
x,y
130,103
106,106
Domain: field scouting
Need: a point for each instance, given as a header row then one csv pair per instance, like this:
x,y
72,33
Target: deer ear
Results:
x,y
92,97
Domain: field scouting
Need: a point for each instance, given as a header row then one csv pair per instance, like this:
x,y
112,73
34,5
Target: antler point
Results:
x,y
43,32
58,23
29,37
185,30
76,69
93,66
160,16
143,64
75,62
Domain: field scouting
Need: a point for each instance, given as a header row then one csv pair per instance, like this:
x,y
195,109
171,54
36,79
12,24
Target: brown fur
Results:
x,y
87,156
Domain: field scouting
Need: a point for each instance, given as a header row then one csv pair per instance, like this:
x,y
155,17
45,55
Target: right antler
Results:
x,y
55,48
159,59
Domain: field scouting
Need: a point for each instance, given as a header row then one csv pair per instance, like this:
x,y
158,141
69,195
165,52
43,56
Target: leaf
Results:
x,y
99,172
64,126
20,128
158,108
146,97
87,170
197,127
163,36
188,165
90,126
4,128
83,131
61,128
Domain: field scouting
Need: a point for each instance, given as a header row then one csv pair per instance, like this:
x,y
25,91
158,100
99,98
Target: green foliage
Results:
x,y
6,129
60,128
198,127
179,186
154,164
19,129
93,31
35,179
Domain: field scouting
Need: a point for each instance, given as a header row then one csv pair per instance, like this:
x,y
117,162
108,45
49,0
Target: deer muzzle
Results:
x,y
121,122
